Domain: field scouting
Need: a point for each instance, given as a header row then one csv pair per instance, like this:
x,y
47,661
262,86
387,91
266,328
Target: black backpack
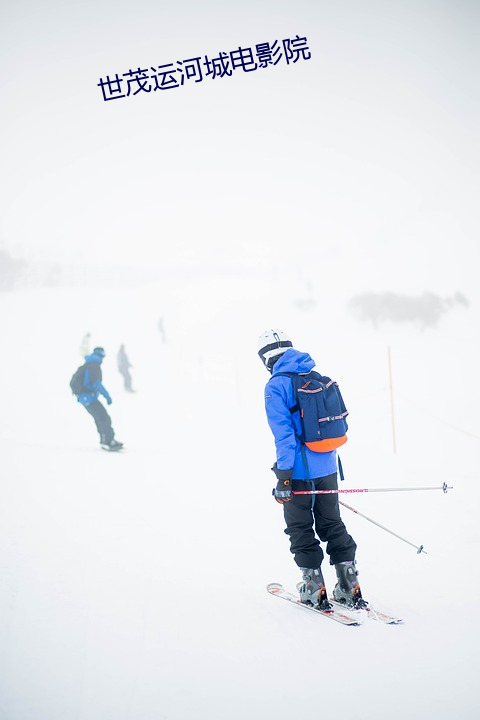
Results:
x,y
78,378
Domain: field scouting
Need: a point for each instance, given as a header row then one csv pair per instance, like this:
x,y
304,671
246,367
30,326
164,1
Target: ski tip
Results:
x,y
383,617
274,587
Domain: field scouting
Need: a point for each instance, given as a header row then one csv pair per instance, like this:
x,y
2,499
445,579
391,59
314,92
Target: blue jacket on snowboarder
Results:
x,y
286,427
93,381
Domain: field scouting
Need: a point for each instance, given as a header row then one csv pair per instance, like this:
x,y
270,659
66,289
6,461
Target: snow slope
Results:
x,y
133,585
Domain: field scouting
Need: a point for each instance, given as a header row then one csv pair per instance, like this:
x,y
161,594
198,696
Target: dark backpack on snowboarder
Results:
x,y
322,411
77,382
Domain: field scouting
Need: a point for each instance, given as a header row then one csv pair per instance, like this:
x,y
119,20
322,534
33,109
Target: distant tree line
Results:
x,y
426,309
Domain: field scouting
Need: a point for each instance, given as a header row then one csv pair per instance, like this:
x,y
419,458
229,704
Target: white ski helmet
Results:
x,y
271,344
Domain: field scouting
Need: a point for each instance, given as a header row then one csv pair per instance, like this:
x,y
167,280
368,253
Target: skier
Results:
x,y
308,518
123,364
85,345
88,397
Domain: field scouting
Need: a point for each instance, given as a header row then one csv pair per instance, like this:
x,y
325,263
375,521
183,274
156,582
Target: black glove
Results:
x,y
283,492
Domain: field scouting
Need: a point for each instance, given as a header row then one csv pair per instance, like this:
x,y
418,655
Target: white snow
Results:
x,y
133,584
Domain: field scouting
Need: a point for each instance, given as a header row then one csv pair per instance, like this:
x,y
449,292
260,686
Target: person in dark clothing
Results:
x,y
309,518
92,388
124,366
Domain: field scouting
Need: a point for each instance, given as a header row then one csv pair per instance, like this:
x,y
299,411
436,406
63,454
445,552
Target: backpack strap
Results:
x,y
293,377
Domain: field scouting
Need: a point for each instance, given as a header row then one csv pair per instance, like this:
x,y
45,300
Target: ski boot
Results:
x,y
347,590
112,446
312,589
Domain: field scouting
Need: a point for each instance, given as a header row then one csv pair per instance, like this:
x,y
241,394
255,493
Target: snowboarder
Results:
x,y
308,518
123,364
88,397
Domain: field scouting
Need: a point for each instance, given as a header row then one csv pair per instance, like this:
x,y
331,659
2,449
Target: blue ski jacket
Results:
x,y
93,381
285,426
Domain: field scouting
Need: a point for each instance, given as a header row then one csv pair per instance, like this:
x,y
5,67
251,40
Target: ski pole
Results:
x,y
419,548
443,487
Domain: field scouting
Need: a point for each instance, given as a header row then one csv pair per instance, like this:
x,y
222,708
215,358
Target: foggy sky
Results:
x,y
367,153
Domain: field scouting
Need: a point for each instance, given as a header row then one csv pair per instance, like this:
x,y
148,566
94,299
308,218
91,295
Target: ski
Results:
x,y
371,613
336,613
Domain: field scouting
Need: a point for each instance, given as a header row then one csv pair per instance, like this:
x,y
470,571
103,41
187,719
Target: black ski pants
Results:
x,y
310,517
102,421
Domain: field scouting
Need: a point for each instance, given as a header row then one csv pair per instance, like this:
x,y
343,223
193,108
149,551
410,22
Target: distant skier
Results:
x,y
85,345
300,468
161,329
87,385
124,366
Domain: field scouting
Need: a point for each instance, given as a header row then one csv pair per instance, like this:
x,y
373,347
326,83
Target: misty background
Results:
x,y
364,157
335,197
